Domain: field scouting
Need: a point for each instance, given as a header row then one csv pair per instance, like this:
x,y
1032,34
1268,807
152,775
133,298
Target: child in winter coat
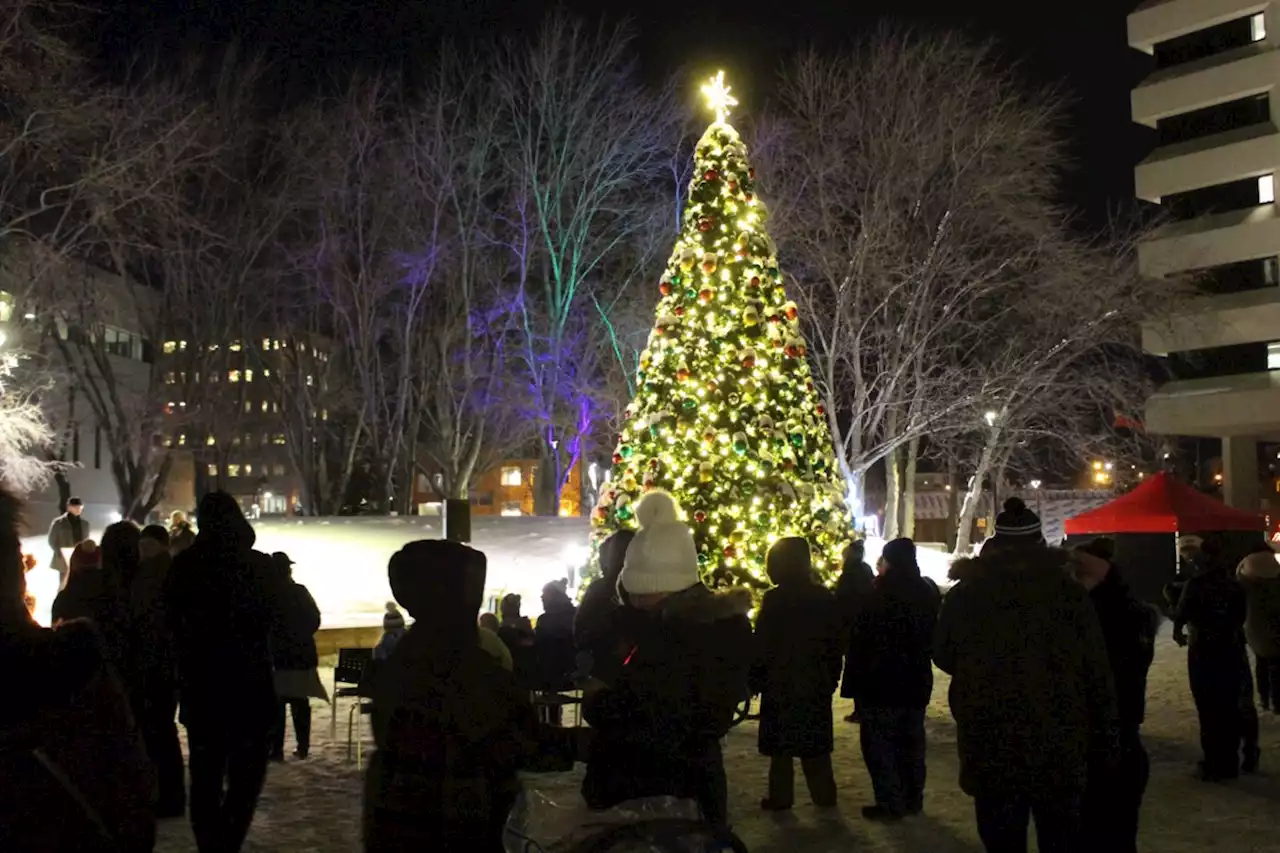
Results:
x,y
393,630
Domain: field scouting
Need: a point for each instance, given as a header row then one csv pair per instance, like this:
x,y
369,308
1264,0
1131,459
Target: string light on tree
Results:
x,y
725,415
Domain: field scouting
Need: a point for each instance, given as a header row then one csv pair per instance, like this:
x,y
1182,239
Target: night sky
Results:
x,y
1085,49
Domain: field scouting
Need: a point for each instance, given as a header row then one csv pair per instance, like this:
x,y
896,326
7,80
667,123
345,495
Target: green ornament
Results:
x,y
675,279
822,514
740,447
624,513
626,450
691,294
797,439
702,559
689,404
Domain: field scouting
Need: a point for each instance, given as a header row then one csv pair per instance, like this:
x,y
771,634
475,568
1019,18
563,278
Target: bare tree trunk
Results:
x,y
893,493
909,493
953,496
973,497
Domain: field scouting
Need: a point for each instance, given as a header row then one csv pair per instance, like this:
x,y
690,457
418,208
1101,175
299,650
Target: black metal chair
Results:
x,y
347,676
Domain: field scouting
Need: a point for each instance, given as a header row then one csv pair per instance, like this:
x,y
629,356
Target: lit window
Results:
x,y
511,509
511,475
1258,27
275,345
211,441
275,407
248,470
170,346
278,438
233,470
235,441
324,414
266,344
168,441
264,405
248,374
182,346
266,372
311,380
233,376
235,346
1266,189
248,406
1273,356
211,470
170,378
182,439
277,469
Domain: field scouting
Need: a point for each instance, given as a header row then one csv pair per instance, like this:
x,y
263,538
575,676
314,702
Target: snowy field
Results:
x,y
314,805
343,561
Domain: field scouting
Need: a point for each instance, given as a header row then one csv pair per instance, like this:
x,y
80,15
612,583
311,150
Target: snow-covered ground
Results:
x,y
343,561
314,805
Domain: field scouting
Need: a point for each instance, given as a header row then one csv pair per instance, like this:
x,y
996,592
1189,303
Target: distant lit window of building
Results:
x,y
233,376
1266,189
1273,356
248,406
170,378
211,441
324,414
248,470
266,373
311,380
275,345
233,470
170,347
235,346
511,509
168,441
266,344
182,439
264,405
248,374
1258,27
235,441
277,469
278,438
275,407
211,470
512,475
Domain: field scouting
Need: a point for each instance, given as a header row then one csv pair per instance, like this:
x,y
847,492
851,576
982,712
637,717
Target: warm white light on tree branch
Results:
x,y
718,97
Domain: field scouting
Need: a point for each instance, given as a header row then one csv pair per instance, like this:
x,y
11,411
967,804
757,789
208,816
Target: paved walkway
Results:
x,y
314,806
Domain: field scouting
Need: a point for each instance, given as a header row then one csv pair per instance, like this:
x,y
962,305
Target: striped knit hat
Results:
x,y
1017,524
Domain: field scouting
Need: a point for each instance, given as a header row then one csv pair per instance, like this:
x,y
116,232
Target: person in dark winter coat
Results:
x,y
798,651
69,712
220,614
1031,688
1214,607
553,638
451,725
852,590
67,531
891,672
155,699
1113,798
658,726
600,629
516,631
293,656
1259,574
92,592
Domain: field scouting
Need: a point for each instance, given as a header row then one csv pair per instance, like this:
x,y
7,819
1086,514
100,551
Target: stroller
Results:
x,y
656,825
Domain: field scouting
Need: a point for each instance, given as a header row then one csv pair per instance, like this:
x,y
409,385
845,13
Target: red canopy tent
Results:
x,y
1163,505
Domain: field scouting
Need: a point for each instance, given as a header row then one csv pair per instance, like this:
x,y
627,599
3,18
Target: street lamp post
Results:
x,y
1035,485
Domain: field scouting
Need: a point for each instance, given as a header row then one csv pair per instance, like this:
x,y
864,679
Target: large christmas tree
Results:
x,y
725,415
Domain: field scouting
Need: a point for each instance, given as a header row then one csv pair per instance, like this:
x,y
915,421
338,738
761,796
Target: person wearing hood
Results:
x,y
1214,608
451,725
599,628
1259,574
891,673
658,725
1031,688
218,605
797,668
553,639
852,590
1113,798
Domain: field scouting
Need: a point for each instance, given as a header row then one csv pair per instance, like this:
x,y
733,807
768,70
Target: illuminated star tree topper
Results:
x,y
718,97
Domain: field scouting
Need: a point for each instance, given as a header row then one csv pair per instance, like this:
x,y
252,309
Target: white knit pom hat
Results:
x,y
662,557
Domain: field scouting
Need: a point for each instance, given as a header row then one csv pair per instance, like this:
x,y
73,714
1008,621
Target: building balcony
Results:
x,y
1239,73
1243,405
1248,152
1225,320
1157,21
1210,241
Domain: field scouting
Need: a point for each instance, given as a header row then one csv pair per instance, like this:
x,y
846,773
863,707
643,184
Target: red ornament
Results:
x,y
602,513
751,173
706,295
822,410
682,374
793,351
748,196
775,318
777,343
653,464
730,551
699,516
709,175
792,313
679,310
749,362
711,385
704,224
665,288
617,458
755,281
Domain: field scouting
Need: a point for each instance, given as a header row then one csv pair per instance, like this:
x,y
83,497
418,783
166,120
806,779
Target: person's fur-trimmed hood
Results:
x,y
1009,560
701,605
1259,567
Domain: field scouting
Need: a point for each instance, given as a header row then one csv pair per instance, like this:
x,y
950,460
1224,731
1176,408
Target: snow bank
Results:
x,y
933,564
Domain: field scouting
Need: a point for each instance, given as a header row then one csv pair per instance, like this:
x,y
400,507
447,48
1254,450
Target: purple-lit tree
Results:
x,y
589,148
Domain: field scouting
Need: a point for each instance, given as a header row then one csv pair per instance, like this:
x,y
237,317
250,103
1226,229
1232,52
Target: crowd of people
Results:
x,y
1047,649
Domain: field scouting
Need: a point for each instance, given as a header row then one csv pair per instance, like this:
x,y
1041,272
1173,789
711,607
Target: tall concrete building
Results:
x,y
1213,100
